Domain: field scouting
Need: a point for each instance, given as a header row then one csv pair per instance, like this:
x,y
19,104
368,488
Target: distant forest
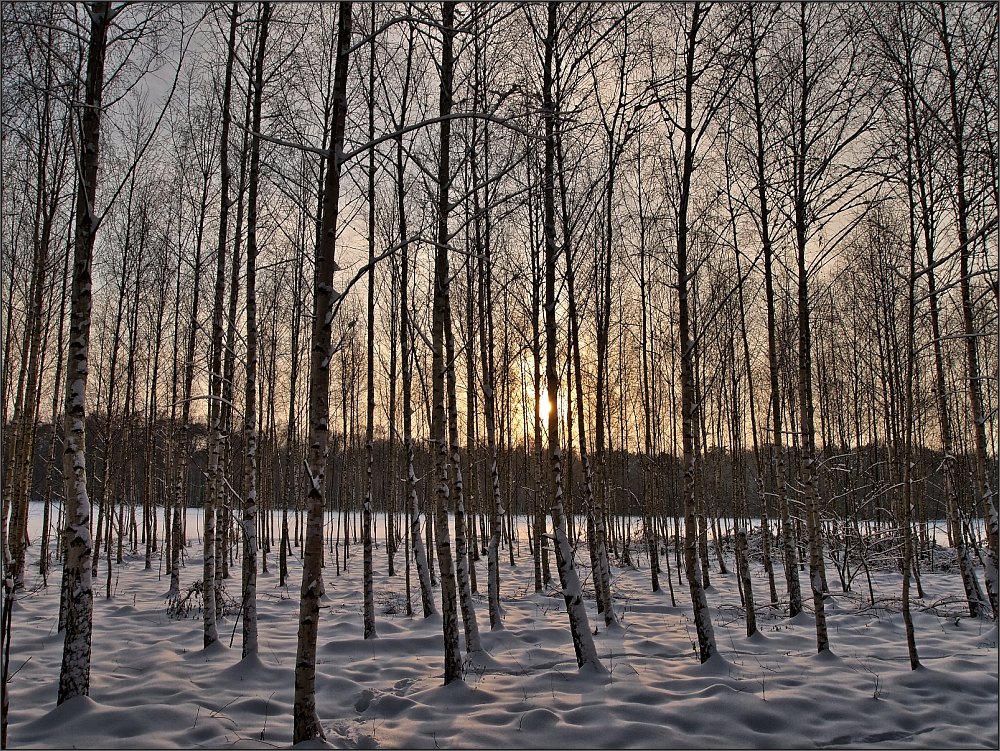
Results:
x,y
857,480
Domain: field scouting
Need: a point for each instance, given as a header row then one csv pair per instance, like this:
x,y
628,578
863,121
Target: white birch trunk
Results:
x,y
215,445
368,594
689,407
74,674
249,571
583,639
441,313
306,722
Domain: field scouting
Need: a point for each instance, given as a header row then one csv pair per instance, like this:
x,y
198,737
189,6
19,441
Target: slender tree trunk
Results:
x,y
973,591
249,588
600,566
537,524
484,267
291,431
689,407
305,718
216,496
777,443
229,354
44,561
74,674
441,313
905,517
473,494
485,262
583,639
462,561
807,456
170,545
366,530
645,346
984,490
26,417
420,558
149,502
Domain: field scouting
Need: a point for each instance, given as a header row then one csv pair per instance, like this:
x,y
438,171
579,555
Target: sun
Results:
x,y
545,405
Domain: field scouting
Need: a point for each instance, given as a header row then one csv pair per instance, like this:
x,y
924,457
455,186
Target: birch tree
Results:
x,y
961,74
762,176
828,116
216,479
366,524
484,269
691,132
249,522
900,42
49,143
569,580
74,673
440,366
305,717
406,342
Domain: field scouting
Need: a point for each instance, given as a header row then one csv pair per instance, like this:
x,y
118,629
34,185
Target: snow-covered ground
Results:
x,y
154,686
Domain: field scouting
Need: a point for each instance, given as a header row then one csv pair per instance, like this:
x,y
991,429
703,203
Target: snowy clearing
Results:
x,y
154,686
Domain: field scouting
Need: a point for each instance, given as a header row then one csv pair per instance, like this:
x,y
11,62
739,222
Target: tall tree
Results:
x,y
306,723
981,26
216,494
74,674
829,115
756,27
484,268
691,131
406,337
440,364
569,580
366,524
249,522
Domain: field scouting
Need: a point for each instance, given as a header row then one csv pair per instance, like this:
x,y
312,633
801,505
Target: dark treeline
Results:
x,y
857,482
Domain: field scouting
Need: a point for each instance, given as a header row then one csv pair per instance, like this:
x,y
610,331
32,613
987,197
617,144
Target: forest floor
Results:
x,y
154,686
